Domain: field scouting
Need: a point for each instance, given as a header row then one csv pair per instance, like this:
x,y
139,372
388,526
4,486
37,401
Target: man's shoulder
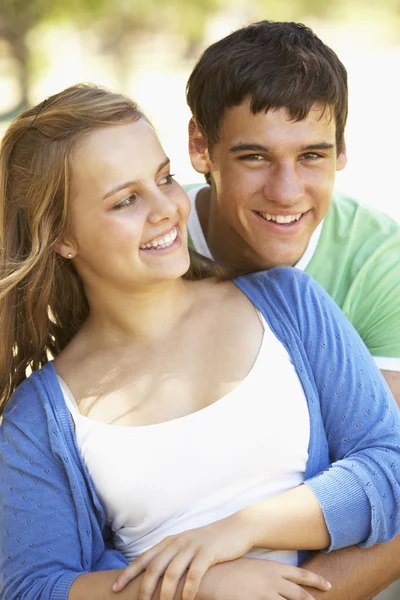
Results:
x,y
348,216
357,262
352,235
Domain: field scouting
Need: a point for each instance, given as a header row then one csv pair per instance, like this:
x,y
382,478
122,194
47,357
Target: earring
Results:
x,y
69,255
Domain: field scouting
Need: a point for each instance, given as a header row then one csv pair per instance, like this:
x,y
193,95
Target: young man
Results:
x,y
269,105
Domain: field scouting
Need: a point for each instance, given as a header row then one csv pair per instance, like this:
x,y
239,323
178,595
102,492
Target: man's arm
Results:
x,y
240,579
356,573
393,381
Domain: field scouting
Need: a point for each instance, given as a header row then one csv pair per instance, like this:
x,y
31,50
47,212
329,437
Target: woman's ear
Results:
x,y
198,149
65,249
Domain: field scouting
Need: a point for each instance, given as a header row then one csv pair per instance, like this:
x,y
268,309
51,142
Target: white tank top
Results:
x,y
162,479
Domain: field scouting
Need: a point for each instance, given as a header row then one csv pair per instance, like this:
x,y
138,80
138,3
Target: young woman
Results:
x,y
183,422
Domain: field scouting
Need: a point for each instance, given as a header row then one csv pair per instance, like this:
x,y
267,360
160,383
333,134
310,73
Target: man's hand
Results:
x,y
192,552
357,573
257,579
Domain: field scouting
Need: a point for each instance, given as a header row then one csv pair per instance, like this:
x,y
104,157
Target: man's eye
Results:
x,y
168,179
252,157
128,201
311,156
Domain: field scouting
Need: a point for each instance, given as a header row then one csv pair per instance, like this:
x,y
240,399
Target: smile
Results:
x,y
162,242
282,219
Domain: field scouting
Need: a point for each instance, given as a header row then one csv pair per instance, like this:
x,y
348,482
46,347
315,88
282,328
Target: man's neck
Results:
x,y
225,245
202,207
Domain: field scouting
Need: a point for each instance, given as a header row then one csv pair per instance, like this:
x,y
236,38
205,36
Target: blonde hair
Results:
x,y
42,300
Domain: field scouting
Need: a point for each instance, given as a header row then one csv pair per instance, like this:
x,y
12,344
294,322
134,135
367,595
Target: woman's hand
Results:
x,y
194,551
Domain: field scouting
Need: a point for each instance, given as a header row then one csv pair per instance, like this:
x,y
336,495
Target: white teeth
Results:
x,y
280,218
162,242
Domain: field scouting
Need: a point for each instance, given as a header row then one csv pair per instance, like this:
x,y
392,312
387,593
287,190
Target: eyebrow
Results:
x,y
248,147
318,146
244,147
132,183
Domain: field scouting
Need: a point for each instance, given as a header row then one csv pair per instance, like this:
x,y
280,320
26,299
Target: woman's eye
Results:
x,y
167,179
128,201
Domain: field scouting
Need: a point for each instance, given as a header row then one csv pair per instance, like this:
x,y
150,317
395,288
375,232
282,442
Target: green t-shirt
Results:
x,y
357,261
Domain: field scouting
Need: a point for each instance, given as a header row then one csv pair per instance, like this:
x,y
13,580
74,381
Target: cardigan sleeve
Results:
x,y
47,535
359,493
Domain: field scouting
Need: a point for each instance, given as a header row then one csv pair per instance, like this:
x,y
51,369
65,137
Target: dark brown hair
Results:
x,y
275,65
42,300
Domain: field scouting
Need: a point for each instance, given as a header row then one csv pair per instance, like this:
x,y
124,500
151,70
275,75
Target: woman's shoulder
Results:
x,y
278,276
290,298
26,404
289,287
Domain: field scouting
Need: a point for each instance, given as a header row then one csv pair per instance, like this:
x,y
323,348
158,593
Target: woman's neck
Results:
x,y
148,314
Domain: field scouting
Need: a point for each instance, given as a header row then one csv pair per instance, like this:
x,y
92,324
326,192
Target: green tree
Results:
x,y
19,17
116,21
296,10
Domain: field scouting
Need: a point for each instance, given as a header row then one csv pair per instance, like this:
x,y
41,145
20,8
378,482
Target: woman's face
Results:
x,y
127,221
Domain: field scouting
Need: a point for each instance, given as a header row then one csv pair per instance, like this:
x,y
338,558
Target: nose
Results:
x,y
162,206
284,185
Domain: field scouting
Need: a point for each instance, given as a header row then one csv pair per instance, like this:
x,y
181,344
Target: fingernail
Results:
x,y
329,585
114,587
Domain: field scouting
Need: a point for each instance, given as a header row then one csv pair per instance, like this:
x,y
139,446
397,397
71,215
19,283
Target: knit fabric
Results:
x,y
52,524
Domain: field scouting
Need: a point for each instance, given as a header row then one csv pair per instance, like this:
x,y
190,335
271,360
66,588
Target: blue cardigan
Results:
x,y
52,525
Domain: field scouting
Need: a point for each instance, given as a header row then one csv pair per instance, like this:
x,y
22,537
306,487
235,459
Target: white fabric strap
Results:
x,y
194,226
305,260
385,363
68,396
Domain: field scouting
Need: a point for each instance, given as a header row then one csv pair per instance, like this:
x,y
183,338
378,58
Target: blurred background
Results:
x,y
147,48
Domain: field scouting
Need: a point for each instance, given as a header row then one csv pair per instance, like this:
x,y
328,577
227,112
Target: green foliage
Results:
x,y
183,17
178,16
297,10
18,17
289,10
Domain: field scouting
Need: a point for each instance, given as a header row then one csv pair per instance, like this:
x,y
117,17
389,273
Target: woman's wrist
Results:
x,y
246,524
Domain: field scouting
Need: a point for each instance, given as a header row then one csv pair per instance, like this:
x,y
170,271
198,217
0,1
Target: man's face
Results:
x,y
273,182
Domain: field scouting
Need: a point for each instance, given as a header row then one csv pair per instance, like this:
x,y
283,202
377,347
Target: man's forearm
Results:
x,y
356,573
97,586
